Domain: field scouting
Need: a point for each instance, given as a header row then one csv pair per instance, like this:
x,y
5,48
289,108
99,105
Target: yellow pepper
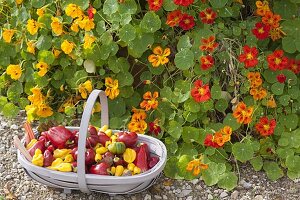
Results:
x,y
136,170
113,170
31,143
130,166
114,138
108,132
119,170
61,153
98,145
129,155
68,158
104,128
98,157
107,143
55,163
64,167
101,150
38,158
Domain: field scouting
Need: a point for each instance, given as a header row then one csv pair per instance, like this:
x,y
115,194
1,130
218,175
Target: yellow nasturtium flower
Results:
x,y
32,26
112,90
67,47
18,2
73,11
86,23
85,88
44,110
43,68
31,47
40,12
75,27
88,41
37,97
57,26
8,34
56,52
14,71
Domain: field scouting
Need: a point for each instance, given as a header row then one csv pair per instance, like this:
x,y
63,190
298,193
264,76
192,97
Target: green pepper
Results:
x,y
117,147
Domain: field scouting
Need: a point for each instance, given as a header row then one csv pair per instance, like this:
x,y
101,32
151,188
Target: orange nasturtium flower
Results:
x,y
138,123
85,88
262,7
271,19
276,33
43,68
242,113
173,18
57,26
196,166
8,34
159,56
14,71
67,47
88,41
112,88
255,79
149,101
258,93
208,44
30,47
32,26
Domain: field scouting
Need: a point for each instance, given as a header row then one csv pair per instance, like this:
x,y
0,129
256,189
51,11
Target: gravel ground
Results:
x,y
15,184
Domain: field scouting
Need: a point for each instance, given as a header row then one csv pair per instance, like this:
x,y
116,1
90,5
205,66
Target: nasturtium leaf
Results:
x,y
171,145
37,3
151,22
218,3
283,153
225,12
289,121
46,56
169,5
175,129
191,106
289,45
212,175
83,4
284,100
291,27
242,151
293,175
236,31
277,88
272,170
270,76
184,43
117,107
293,163
184,59
181,164
10,110
290,76
188,149
41,81
3,102
283,141
190,134
127,33
100,27
110,7
157,70
221,105
125,78
140,44
228,181
257,163
216,92
171,169
294,92
106,38
285,9
44,42
231,121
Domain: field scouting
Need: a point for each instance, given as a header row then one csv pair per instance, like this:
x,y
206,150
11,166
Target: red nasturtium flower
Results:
x,y
249,57
209,44
277,61
271,19
261,31
206,62
187,22
91,12
294,65
173,18
200,92
281,78
208,16
265,126
183,2
154,127
155,5
149,101
208,141
242,113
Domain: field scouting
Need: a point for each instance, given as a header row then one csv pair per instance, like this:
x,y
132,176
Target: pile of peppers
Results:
x,y
107,153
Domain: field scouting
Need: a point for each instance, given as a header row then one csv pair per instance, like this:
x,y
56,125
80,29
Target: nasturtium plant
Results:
x,y
216,80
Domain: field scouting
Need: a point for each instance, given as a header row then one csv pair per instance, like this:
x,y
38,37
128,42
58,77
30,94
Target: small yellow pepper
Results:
x,y
31,143
38,158
113,170
55,163
101,150
129,155
114,138
61,153
98,145
108,132
104,128
119,170
64,167
98,157
107,143
130,166
136,170
68,158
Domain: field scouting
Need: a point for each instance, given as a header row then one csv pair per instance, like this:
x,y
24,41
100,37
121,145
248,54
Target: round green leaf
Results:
x,y
171,145
221,105
128,7
169,5
10,110
191,106
175,129
285,9
257,163
270,76
284,100
110,7
184,43
46,56
231,121
127,33
218,3
216,92
116,107
190,134
37,3
272,170
242,151
151,22
228,181
277,88
288,44
44,42
293,163
184,59
100,27
171,169
212,175
125,78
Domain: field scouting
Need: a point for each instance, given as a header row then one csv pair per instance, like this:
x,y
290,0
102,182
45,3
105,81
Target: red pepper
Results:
x,y
89,155
141,160
48,158
38,145
92,138
50,148
153,161
60,137
74,166
129,139
103,138
100,169
119,161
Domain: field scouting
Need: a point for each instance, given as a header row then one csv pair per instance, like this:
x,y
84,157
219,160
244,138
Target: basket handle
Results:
x,y
84,124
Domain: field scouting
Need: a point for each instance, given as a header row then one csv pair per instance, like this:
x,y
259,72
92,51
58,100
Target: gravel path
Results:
x,y
15,184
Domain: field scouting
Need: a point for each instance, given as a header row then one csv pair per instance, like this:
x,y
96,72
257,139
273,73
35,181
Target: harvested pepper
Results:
x,y
136,170
38,158
31,143
119,170
60,137
92,137
129,155
103,138
98,157
38,145
59,165
117,147
108,132
129,139
101,150
48,158
130,166
141,160
104,128
61,153
69,158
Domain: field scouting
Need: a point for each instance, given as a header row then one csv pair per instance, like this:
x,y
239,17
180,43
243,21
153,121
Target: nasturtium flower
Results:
x,y
277,61
207,62
208,16
18,2
56,52
258,93
137,126
261,30
73,11
200,92
30,47
196,166
86,23
154,127
44,111
75,27
294,66
183,2
43,68
67,47
208,44
271,19
209,141
159,56
265,126
40,11
155,5
187,22
112,87
85,88
271,103
14,71
57,26
255,79
249,56
88,41
150,101
219,138
242,113
276,33
281,78
37,97
8,34
262,7
174,17
32,26
91,12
